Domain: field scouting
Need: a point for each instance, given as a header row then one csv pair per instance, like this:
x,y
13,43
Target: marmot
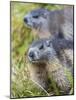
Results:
x,y
48,23
44,62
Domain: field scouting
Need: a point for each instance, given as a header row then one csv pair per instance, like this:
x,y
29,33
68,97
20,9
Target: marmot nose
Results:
x,y
31,54
25,20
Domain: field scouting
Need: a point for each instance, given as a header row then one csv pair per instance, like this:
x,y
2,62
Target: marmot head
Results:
x,y
36,18
41,51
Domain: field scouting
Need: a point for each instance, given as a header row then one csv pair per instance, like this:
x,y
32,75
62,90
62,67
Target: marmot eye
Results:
x,y
41,47
35,16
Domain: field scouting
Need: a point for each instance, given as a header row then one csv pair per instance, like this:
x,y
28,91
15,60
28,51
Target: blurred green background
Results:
x,y
21,38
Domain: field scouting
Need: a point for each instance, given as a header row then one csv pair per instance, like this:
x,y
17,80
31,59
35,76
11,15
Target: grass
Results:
x,y
21,38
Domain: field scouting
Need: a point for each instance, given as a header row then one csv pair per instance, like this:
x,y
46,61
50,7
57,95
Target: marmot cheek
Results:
x,y
35,25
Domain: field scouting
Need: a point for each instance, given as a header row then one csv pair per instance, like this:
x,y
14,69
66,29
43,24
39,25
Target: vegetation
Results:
x,y
21,38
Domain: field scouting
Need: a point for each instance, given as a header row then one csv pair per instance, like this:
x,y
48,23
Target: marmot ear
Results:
x,y
48,43
45,15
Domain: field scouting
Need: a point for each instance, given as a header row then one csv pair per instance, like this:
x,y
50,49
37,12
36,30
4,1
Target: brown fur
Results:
x,y
38,74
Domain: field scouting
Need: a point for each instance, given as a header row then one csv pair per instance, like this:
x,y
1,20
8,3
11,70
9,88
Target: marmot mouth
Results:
x,y
38,61
28,25
35,61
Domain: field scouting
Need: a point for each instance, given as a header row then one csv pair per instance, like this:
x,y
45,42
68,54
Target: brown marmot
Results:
x,y
44,62
48,23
